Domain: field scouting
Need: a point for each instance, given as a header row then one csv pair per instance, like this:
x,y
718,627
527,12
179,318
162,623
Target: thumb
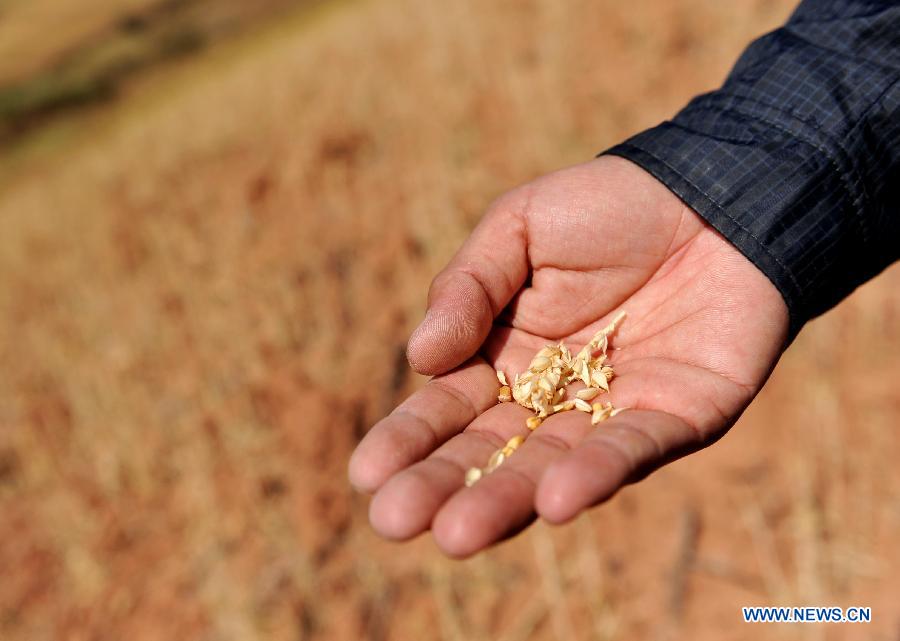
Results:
x,y
471,290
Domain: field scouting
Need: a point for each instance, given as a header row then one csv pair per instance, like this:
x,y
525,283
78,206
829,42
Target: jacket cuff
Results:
x,y
773,190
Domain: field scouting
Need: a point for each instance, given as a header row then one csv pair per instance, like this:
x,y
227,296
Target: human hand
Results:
x,y
554,260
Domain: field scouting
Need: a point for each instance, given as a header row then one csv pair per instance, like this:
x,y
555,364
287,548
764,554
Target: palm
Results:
x,y
704,328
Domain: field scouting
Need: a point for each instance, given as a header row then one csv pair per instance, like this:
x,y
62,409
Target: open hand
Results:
x,y
554,260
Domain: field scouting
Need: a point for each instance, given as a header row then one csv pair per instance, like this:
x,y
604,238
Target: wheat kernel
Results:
x,y
496,460
515,441
601,412
583,405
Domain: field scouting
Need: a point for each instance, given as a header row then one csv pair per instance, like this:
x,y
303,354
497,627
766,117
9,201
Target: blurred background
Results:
x,y
218,222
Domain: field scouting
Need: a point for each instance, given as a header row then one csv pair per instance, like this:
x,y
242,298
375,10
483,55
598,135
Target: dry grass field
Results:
x,y
194,275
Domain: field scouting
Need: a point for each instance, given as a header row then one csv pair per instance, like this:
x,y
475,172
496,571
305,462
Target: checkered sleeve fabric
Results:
x,y
796,159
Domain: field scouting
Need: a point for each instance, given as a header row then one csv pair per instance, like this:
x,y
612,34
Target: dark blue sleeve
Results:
x,y
796,159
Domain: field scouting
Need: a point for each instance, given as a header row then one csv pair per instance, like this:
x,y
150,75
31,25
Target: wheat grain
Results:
x,y
515,441
472,476
497,459
583,405
587,394
564,406
600,412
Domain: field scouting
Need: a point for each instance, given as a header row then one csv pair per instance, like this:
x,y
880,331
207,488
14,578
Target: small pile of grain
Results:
x,y
542,388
